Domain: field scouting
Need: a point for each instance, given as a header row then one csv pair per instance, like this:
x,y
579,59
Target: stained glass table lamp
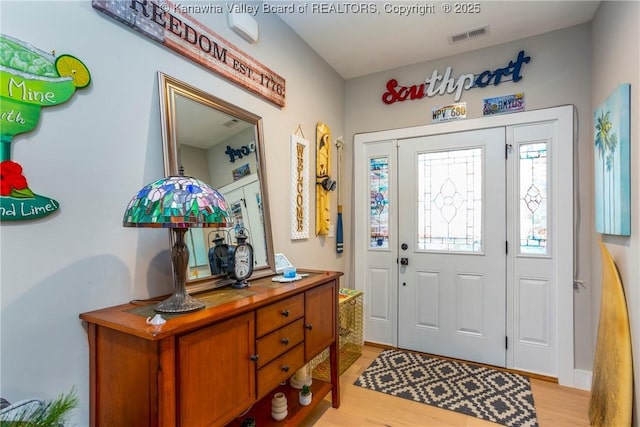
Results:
x,y
179,203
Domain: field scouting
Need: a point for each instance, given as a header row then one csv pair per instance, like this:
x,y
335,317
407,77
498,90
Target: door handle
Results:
x,y
404,261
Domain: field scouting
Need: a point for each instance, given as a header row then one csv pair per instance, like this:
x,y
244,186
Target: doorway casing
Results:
x,y
382,328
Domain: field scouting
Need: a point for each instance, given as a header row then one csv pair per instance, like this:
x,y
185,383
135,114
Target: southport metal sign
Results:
x,y
437,84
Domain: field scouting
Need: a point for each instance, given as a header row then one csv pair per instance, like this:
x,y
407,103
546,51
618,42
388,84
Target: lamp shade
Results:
x,y
177,202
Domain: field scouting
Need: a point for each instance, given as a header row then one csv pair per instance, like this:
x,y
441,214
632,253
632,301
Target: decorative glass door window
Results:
x,y
450,200
379,196
533,199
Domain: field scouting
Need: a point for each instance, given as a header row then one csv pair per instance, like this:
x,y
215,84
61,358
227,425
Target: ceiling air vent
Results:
x,y
230,123
477,32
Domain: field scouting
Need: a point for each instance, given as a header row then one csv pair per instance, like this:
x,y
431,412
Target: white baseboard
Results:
x,y
582,379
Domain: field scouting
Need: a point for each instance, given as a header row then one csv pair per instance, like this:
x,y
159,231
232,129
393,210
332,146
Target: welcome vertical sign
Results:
x,y
299,188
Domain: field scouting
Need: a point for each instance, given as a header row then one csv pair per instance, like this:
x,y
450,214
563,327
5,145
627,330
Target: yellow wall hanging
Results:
x,y
324,183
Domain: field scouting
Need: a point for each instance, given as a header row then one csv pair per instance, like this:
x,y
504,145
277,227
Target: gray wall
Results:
x,y
558,74
615,60
95,152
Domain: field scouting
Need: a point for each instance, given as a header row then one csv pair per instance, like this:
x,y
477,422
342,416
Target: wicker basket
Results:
x,y
350,336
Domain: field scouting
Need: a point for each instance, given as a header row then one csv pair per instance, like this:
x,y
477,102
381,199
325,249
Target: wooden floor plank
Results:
x,y
556,406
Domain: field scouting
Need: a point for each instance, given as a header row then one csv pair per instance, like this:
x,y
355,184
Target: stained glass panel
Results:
x,y
450,201
533,199
379,196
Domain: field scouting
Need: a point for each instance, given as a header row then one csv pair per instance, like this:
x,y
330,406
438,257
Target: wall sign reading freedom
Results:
x,y
168,25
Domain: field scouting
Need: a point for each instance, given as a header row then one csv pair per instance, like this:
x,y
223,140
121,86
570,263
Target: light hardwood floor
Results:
x,y
556,406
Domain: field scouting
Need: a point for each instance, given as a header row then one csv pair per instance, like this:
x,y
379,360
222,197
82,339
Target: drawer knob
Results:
x,y
285,341
285,313
285,368
254,357
309,326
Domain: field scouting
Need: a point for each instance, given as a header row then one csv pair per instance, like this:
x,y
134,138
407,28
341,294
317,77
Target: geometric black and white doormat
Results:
x,y
489,394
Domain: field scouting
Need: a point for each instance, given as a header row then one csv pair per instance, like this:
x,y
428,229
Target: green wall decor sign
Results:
x,y
29,80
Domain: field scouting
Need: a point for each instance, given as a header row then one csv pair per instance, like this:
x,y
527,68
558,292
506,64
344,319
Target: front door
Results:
x,y
452,238
439,191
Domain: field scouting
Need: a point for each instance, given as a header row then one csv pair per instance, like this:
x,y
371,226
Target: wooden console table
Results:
x,y
208,367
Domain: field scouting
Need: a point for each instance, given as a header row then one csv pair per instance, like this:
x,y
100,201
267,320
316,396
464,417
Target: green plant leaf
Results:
x,y
25,193
51,413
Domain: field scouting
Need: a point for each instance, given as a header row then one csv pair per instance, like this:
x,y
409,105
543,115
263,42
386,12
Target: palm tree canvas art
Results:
x,y
612,167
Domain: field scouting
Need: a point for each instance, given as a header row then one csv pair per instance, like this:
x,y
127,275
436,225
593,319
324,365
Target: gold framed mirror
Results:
x,y
221,144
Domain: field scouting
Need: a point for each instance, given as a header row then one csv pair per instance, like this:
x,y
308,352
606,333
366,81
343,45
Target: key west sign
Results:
x,y
446,83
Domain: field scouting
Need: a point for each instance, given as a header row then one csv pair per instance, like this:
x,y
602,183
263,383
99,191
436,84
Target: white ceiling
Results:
x,y
199,125
356,44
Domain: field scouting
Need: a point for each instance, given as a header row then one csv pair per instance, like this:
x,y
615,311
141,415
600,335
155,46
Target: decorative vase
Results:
x,y
279,406
301,378
305,399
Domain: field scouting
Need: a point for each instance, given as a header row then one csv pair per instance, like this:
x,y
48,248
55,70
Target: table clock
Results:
x,y
240,262
236,261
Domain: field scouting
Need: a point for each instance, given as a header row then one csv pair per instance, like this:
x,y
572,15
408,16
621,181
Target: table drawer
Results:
x,y
278,314
274,344
280,370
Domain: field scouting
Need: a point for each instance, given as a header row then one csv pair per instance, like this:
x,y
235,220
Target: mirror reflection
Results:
x,y
220,144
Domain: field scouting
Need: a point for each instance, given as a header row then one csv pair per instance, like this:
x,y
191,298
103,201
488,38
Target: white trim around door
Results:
x,y
376,269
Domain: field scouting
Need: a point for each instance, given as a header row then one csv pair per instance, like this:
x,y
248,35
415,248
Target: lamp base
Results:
x,y
179,304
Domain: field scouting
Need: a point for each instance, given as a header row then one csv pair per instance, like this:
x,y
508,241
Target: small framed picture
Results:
x,y
241,172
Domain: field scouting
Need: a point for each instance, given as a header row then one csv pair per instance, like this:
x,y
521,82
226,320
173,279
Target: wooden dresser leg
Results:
x,y
335,375
91,333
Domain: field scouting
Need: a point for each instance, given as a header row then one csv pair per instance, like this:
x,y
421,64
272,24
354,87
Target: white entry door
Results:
x,y
508,178
452,238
